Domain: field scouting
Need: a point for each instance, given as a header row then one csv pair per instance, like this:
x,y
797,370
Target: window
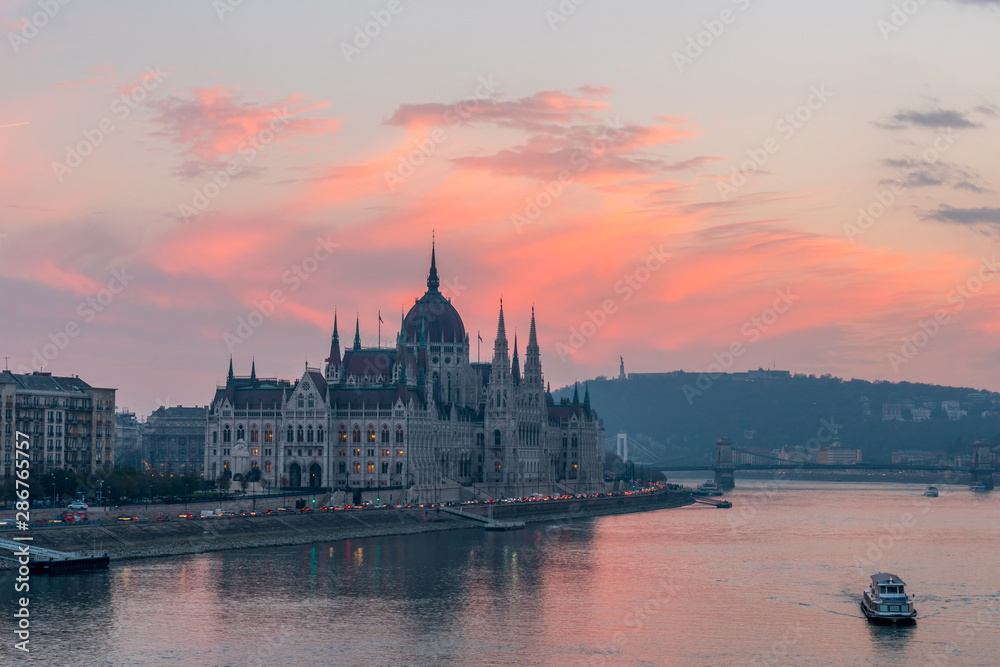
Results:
x,y
267,466
299,402
312,403
255,452
496,466
342,434
385,435
357,467
288,452
371,434
319,451
385,467
309,452
268,435
299,434
399,468
357,451
341,452
399,435
290,435
240,433
300,452
385,452
357,434
341,468
497,437
399,452
319,434
215,437
371,467
309,434
227,435
371,452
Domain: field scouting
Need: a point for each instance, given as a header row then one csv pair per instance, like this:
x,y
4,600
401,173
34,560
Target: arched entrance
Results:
x,y
294,475
315,476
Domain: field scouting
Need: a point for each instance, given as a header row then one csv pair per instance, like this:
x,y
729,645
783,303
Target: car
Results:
x,y
77,505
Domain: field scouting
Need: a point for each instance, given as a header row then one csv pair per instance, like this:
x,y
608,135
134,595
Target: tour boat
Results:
x,y
885,600
931,492
709,488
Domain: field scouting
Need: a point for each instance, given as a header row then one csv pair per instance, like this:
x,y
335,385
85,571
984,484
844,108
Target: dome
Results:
x,y
434,315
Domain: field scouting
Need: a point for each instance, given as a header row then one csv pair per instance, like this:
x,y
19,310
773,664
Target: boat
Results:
x,y
709,488
979,487
931,492
885,600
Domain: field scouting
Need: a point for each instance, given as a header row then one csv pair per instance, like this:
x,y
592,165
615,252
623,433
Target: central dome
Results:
x,y
434,315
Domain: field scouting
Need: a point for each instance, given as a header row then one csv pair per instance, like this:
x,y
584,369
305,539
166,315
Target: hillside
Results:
x,y
675,415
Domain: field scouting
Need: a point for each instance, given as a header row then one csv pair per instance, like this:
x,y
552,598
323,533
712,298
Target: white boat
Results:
x,y
931,492
709,488
885,600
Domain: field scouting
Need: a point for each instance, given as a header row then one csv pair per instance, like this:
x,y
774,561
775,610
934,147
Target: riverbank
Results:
x,y
175,536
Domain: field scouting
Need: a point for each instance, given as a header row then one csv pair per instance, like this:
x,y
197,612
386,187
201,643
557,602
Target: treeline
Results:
x,y
111,485
681,415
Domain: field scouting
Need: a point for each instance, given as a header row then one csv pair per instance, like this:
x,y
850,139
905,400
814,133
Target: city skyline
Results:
x,y
660,200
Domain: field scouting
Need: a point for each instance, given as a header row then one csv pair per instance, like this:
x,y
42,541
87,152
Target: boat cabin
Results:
x,y
887,586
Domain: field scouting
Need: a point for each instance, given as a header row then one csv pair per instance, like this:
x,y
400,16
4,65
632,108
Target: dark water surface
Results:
x,y
775,580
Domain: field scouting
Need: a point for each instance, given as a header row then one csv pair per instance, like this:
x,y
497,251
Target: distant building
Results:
x,y
916,457
892,412
173,440
953,410
838,456
70,424
920,414
128,441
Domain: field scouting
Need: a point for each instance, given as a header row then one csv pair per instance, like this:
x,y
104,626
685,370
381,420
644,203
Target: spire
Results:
x,y
230,377
401,339
357,333
576,393
516,366
253,370
586,396
501,329
532,336
432,277
334,358
533,358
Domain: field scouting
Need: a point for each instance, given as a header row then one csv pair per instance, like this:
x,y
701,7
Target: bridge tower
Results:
x,y
622,447
724,465
982,466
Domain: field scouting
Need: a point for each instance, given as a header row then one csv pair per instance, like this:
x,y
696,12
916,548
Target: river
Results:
x,y
773,581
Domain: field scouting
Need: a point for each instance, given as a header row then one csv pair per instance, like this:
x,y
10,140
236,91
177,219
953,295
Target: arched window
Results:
x,y
371,434
267,466
319,434
357,467
227,435
309,433
254,434
268,435
357,434
299,433
371,467
240,433
497,437
215,437
342,434
289,434
385,435
399,435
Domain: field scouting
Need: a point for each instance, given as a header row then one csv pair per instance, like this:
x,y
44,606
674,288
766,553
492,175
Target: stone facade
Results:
x,y
71,425
419,419
173,440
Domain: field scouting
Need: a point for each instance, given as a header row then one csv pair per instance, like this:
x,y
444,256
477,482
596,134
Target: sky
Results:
x,y
699,186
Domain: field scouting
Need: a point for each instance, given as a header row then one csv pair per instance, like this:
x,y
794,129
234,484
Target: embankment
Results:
x,y
143,539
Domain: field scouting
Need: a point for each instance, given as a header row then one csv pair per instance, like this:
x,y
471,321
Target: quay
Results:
x,y
171,536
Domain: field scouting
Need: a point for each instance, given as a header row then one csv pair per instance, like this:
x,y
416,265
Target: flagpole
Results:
x,y
380,329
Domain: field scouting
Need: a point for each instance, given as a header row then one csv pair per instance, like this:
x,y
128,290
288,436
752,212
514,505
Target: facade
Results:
x,y
71,425
173,440
419,419
128,440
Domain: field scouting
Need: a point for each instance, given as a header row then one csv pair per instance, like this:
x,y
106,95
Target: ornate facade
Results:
x,y
419,420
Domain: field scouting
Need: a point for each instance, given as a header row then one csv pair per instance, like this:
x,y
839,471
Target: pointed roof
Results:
x,y
230,377
516,365
586,396
357,333
501,329
253,369
532,336
576,393
432,277
334,357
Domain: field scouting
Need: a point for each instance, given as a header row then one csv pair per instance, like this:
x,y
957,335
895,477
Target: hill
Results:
x,y
683,414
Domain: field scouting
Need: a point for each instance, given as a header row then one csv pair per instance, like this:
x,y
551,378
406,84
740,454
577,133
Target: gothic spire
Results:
x,y
532,336
516,365
357,333
576,393
230,377
334,358
253,370
586,396
432,277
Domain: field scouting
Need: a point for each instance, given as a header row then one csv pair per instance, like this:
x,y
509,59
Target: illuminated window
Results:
x,y
268,434
371,467
267,466
254,434
255,452
357,467
371,434
342,434
399,452
385,452
357,451
496,466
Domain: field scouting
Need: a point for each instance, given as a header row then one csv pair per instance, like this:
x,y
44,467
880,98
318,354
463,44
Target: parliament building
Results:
x,y
417,422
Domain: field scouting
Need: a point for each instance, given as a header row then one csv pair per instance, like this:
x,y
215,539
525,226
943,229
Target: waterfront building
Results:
x,y
128,440
71,425
173,440
419,418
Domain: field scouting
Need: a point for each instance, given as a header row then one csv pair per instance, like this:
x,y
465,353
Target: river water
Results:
x,y
774,581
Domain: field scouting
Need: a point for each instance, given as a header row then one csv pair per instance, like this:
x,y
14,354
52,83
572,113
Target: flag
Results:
x,y
380,317
480,336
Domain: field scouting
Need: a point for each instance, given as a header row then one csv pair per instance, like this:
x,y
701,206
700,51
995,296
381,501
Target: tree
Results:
x,y
223,482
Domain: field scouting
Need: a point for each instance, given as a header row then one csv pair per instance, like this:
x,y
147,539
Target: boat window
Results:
x,y
881,589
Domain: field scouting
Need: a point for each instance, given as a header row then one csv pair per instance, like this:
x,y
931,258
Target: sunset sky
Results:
x,y
659,179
